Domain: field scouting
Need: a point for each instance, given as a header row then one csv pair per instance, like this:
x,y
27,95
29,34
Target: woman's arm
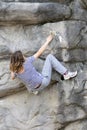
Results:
x,y
43,47
12,75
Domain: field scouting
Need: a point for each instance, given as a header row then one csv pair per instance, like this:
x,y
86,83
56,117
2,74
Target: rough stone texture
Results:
x,y
4,52
38,13
41,1
79,10
32,13
63,104
78,126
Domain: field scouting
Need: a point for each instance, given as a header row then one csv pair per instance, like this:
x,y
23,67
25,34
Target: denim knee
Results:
x,y
49,56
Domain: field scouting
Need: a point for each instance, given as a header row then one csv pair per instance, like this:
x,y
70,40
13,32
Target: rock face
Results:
x,y
32,13
25,25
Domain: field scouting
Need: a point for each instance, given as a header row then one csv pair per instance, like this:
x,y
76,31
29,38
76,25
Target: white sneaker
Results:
x,y
35,92
69,75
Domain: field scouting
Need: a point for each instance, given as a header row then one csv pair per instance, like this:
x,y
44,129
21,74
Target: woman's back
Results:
x,y
30,76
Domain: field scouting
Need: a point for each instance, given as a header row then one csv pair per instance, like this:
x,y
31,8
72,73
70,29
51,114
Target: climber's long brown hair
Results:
x,y
16,62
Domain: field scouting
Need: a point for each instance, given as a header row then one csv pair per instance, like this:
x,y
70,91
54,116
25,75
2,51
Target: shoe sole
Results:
x,y
71,77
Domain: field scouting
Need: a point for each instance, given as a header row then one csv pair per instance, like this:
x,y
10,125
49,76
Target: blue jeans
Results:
x,y
50,62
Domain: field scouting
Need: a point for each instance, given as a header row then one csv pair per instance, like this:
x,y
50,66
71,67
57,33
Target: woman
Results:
x,y
23,69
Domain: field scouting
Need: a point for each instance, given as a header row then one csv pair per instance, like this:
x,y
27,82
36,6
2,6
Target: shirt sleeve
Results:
x,y
31,59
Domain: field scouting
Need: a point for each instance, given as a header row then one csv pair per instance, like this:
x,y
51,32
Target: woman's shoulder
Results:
x,y
30,59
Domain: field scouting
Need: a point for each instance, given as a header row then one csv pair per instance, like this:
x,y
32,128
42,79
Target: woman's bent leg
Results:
x,y
51,62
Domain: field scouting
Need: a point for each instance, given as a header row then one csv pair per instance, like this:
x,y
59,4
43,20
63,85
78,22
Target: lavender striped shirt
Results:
x,y
30,76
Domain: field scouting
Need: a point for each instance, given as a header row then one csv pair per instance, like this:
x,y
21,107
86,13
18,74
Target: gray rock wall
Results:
x,y
24,25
